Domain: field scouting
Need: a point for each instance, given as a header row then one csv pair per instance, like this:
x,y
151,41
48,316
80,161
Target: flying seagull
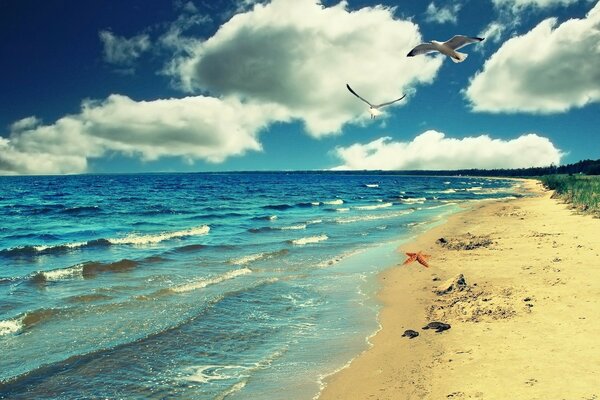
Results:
x,y
448,48
374,108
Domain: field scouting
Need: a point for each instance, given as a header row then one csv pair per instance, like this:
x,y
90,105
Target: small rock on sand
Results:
x,y
456,284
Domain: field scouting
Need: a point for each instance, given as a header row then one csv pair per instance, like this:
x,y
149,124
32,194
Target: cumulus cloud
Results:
x,y
432,150
300,54
121,51
550,69
442,14
195,128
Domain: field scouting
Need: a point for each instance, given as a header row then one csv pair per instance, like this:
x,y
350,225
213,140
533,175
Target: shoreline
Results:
x,y
522,325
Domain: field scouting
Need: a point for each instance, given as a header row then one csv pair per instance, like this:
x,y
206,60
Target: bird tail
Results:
x,y
461,57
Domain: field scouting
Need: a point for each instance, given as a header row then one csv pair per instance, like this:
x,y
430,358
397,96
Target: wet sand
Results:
x,y
525,322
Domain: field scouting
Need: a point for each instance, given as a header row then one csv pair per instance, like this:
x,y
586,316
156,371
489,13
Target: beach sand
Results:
x,y
525,325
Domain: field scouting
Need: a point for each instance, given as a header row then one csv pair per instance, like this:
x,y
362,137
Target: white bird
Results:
x,y
374,108
448,48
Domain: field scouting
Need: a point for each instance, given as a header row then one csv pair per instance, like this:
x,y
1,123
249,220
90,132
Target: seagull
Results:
x,y
374,108
448,48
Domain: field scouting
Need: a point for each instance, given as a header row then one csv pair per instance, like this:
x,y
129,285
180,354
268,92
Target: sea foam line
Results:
x,y
374,207
202,283
309,240
156,238
11,326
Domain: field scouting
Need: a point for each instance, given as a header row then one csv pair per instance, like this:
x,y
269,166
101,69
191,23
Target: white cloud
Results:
x,y
517,5
432,150
492,32
196,128
547,70
442,14
121,51
300,54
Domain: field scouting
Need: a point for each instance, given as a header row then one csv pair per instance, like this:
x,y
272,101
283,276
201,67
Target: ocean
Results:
x,y
206,286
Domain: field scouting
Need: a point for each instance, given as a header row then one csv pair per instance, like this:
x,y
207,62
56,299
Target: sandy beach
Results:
x,y
524,318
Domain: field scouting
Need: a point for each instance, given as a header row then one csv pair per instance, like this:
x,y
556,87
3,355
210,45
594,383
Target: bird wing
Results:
x,y
389,102
354,93
423,48
459,41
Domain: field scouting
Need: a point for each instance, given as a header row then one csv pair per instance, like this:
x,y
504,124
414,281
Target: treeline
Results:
x,y
587,167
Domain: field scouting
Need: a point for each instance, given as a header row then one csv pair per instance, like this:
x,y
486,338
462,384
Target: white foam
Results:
x,y
334,202
371,217
374,207
416,200
293,227
75,245
372,185
309,240
10,326
159,237
208,373
202,283
342,209
447,183
63,273
314,221
474,189
248,259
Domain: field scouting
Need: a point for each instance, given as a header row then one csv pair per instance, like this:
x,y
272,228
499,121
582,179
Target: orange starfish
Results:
x,y
420,257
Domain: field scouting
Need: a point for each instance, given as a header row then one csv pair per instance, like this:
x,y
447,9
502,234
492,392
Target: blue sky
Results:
x,y
138,86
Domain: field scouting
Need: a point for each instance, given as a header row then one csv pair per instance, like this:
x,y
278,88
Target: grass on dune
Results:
x,y
582,191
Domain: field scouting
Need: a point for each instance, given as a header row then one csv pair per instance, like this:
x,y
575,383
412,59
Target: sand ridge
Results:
x,y
524,315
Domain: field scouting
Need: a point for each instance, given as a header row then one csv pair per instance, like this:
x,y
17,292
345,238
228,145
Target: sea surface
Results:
x,y
206,286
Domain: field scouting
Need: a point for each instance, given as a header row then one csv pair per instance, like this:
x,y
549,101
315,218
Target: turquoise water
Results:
x,y
207,286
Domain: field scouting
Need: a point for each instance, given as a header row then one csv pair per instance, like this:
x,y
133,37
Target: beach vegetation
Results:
x,y
581,191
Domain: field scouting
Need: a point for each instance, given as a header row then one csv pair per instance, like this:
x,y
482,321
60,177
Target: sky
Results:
x,y
231,85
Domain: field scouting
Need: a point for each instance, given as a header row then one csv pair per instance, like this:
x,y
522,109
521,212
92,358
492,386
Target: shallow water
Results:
x,y
200,285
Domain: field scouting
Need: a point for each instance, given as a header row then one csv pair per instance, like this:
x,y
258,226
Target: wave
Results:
x,y
25,321
202,283
82,210
334,202
277,228
309,240
57,274
89,270
293,227
265,218
474,189
308,204
256,257
279,207
131,239
374,207
10,326
341,209
160,237
371,217
413,200
188,248
372,185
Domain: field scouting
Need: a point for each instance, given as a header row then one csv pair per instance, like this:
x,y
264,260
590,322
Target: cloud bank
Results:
x,y
432,150
550,69
192,127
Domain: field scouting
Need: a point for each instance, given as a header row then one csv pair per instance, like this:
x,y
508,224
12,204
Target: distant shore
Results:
x,y
523,320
